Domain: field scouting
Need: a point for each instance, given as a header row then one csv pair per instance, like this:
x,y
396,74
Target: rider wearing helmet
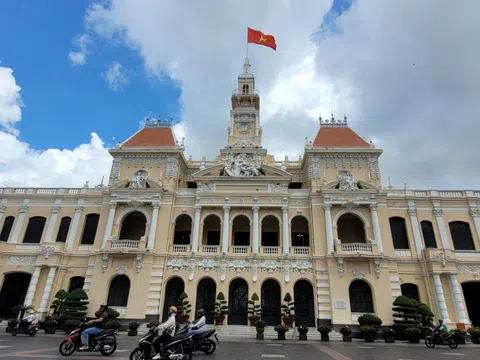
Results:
x,y
97,326
166,331
442,328
199,324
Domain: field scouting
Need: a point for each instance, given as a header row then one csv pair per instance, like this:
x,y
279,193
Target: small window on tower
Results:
x,y
295,185
245,89
191,185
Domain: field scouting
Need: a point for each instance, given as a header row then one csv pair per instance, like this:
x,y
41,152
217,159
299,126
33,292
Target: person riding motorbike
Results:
x,y
166,331
442,329
199,324
31,319
98,326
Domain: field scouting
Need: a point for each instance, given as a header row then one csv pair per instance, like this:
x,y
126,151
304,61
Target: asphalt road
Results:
x,y
46,347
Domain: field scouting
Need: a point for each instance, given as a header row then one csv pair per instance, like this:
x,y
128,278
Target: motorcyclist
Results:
x,y
31,319
98,326
199,324
442,329
165,332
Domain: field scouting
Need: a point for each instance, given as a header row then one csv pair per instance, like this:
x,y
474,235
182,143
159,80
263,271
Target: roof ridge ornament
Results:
x,y
333,122
156,122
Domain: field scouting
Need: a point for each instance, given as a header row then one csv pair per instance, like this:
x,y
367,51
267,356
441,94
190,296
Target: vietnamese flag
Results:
x,y
259,38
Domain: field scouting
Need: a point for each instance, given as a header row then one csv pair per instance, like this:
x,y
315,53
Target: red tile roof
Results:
x,y
338,137
152,137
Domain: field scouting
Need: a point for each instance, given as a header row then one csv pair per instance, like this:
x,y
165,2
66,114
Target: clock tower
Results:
x,y
244,130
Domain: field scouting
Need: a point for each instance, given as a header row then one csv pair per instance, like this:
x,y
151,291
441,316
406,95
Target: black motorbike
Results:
x,y
180,347
433,338
202,342
25,327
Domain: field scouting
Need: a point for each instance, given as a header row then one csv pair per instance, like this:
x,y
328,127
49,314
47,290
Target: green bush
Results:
x,y
113,324
458,332
153,323
368,330
75,305
71,325
426,314
388,331
281,329
413,332
133,325
260,324
369,319
302,330
345,330
184,306
220,306
56,306
112,313
253,308
406,315
288,309
325,330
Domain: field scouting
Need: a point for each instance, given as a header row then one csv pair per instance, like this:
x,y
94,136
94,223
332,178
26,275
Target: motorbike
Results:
x,y
25,327
433,338
202,342
105,342
180,347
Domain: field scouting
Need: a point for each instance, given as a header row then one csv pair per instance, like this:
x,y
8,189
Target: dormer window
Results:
x,y
245,89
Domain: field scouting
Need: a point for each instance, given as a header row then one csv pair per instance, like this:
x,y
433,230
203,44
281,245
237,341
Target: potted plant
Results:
x,y
220,309
133,328
11,324
50,326
324,330
346,334
260,327
368,332
413,334
281,330
183,308
389,335
288,310
369,320
474,334
302,332
254,310
405,316
459,335
153,323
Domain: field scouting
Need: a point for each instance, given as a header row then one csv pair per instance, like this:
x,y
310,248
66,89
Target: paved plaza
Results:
x,y
46,347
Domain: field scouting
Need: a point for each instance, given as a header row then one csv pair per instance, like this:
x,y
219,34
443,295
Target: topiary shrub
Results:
x,y
153,323
369,320
405,314
56,306
71,325
75,305
426,313
113,324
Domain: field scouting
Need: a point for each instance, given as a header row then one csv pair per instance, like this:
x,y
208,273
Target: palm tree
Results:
x,y
20,310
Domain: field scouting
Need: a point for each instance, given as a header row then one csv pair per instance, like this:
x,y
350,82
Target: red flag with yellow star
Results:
x,y
259,38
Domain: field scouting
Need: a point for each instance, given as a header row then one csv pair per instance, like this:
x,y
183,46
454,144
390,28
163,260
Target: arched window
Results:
x,y
14,291
211,230
351,229
63,229
245,89
241,231
7,228
399,233
271,302
133,226
300,234
410,291
428,234
119,290
270,231
461,235
360,297
173,290
34,231
183,229
90,229
76,282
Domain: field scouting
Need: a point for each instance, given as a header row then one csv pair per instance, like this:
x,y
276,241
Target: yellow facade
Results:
x,y
320,228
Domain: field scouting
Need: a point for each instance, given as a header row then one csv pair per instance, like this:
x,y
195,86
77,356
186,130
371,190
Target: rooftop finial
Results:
x,y
246,66
332,122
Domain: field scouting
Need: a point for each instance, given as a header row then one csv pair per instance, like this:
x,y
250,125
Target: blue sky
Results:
x,y
63,103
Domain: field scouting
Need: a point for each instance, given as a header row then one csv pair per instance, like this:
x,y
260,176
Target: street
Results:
x,y
46,347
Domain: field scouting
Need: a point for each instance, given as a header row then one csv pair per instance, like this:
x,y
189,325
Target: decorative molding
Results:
x,y
115,171
239,266
302,266
346,180
314,168
437,212
104,262
138,180
23,209
48,250
475,212
412,212
22,260
207,265
56,209
78,209
206,187
254,270
376,267
340,266
358,274
2,208
243,142
121,270
138,262
373,168
469,269
442,257
172,167
223,269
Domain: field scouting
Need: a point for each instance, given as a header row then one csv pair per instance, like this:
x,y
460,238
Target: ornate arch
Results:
x,y
174,221
279,218
130,209
356,212
300,215
202,220
240,214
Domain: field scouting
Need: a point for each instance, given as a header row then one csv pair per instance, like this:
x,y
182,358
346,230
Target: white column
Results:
x,y
2,210
109,226
441,226
51,224
32,287
19,224
153,226
442,304
458,299
226,228
475,213
286,230
196,228
376,228
48,289
328,228
416,231
72,234
255,229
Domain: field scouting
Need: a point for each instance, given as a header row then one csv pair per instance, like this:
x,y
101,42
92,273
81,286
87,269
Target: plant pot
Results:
x,y
347,338
288,321
325,337
414,340
302,337
132,332
182,319
369,338
219,320
390,339
460,340
475,339
50,330
260,336
253,320
281,336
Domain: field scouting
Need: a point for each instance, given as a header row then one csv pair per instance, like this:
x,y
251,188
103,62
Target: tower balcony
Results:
x,y
356,248
127,244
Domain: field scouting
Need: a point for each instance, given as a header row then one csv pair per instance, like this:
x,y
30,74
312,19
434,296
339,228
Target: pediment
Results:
x,y
124,185
362,186
266,171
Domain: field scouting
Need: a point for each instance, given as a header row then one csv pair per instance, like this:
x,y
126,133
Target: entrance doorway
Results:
x,y
271,302
174,289
14,290
206,291
304,306
238,302
470,293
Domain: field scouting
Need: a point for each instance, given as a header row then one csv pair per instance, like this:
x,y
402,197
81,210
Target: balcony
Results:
x,y
242,250
269,250
300,250
355,249
210,249
126,244
180,249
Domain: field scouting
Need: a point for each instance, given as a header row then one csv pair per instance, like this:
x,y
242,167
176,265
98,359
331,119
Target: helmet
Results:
x,y
440,321
172,310
32,312
200,312
104,305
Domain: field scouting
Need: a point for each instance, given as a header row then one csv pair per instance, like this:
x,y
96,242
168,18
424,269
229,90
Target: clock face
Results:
x,y
244,127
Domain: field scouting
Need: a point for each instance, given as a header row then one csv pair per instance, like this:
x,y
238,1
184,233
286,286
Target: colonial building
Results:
x,y
321,228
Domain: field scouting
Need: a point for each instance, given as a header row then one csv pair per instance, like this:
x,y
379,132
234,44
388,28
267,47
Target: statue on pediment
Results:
x,y
139,180
346,180
237,168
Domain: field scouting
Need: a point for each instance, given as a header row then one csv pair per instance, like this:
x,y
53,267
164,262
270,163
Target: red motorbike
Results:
x,y
105,342
433,338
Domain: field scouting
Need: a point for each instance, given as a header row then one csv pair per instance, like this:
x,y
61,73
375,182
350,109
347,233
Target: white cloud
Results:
x,y
79,58
115,76
21,165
